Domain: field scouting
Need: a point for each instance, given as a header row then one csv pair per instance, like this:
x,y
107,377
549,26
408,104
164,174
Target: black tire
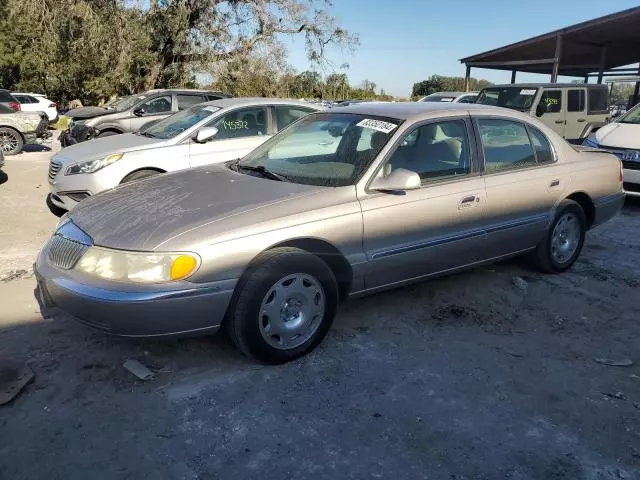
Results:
x,y
11,141
53,208
139,175
108,133
543,257
243,319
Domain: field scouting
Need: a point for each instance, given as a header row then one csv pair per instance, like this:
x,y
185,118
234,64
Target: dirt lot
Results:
x,y
476,376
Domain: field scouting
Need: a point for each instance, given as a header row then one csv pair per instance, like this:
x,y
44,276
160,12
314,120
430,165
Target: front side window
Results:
x,y
506,145
157,105
286,115
187,101
632,116
516,98
22,99
553,100
575,101
541,145
598,100
322,148
247,122
468,99
177,123
436,151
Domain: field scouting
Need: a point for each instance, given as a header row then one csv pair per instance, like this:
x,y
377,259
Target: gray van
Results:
x,y
130,114
572,110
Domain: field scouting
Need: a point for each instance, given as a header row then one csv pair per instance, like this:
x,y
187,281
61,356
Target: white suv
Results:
x,y
36,102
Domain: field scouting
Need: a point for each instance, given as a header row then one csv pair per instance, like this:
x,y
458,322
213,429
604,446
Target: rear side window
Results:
x,y
506,145
541,145
598,100
553,100
186,101
575,100
286,115
468,99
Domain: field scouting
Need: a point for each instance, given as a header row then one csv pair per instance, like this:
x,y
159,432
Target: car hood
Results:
x,y
142,215
101,147
622,135
87,112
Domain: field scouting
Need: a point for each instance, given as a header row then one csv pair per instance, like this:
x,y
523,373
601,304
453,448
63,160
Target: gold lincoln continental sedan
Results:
x,y
340,204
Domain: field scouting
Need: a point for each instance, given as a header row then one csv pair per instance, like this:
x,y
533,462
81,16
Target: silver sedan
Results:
x,y
340,204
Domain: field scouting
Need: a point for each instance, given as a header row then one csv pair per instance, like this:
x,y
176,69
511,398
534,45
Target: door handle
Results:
x,y
581,120
555,183
559,122
469,201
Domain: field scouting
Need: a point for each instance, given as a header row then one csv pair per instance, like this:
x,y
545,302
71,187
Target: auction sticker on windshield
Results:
x,y
528,91
378,125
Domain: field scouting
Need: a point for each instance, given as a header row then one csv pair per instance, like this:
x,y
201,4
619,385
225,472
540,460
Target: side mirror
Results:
x,y
541,109
138,112
205,134
397,181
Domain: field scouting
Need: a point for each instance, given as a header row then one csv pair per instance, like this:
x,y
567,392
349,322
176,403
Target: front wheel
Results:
x,y
561,246
11,141
139,175
283,307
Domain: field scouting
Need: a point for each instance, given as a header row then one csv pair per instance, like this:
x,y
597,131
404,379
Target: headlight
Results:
x,y
137,267
93,165
591,142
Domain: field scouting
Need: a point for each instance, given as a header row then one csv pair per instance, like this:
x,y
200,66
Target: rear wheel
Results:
x,y
139,175
561,246
10,141
283,307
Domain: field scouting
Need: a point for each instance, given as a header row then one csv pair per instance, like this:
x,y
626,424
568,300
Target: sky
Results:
x,y
405,41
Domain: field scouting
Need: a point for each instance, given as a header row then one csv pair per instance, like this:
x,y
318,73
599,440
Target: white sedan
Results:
x,y
211,132
36,102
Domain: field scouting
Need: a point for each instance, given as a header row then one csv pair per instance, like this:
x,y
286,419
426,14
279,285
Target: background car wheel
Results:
x,y
563,242
140,174
107,134
283,306
10,141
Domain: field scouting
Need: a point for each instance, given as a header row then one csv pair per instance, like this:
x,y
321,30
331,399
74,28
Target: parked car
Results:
x,y
622,138
1,158
19,128
572,110
130,114
265,247
8,100
452,97
36,102
211,132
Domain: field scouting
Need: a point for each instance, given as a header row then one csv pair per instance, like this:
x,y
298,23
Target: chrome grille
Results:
x,y
54,168
65,253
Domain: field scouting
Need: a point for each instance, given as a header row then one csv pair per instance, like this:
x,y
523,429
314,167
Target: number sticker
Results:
x,y
446,99
378,125
528,91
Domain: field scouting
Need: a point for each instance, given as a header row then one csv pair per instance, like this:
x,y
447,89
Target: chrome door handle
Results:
x,y
469,201
554,183
559,122
581,120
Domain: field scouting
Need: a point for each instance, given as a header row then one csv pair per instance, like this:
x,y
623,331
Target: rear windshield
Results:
x,y
6,96
516,98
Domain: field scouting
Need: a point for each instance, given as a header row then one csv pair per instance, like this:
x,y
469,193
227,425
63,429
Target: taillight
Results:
x,y
15,106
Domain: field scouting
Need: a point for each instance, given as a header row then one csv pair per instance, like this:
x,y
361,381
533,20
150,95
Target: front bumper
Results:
x,y
133,310
76,134
632,182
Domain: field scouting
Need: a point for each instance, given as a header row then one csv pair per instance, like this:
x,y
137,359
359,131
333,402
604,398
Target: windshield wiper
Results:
x,y
147,134
262,170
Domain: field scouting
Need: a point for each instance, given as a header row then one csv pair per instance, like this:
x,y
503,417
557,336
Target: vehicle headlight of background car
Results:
x,y
139,267
93,165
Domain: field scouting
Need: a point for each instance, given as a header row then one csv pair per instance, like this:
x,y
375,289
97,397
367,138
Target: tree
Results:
x,y
439,83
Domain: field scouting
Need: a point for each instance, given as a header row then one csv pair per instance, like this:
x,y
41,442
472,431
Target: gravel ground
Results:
x,y
488,374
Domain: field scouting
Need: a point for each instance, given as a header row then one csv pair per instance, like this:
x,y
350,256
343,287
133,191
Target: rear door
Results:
x,y
239,132
523,183
576,112
554,117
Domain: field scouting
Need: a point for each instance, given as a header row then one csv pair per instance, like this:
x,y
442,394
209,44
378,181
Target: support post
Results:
x,y
467,79
513,76
636,91
556,59
586,78
603,61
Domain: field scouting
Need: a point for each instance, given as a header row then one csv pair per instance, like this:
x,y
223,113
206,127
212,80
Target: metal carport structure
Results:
x,y
595,48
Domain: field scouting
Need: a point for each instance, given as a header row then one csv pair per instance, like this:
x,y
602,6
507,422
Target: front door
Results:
x,y
153,109
432,229
523,184
576,116
239,132
554,115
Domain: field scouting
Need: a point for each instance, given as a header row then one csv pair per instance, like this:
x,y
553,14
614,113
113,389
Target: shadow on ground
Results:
x,y
36,147
3,177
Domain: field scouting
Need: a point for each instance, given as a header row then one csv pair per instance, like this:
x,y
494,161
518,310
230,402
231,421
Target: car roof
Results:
x,y
31,94
549,85
405,110
247,101
452,94
179,90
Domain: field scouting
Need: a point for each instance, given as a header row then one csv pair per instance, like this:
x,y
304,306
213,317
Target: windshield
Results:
x,y
516,98
128,102
177,123
116,102
438,98
325,149
632,116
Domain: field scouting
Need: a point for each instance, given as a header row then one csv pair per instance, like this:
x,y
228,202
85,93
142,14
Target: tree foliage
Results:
x,y
93,48
438,83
